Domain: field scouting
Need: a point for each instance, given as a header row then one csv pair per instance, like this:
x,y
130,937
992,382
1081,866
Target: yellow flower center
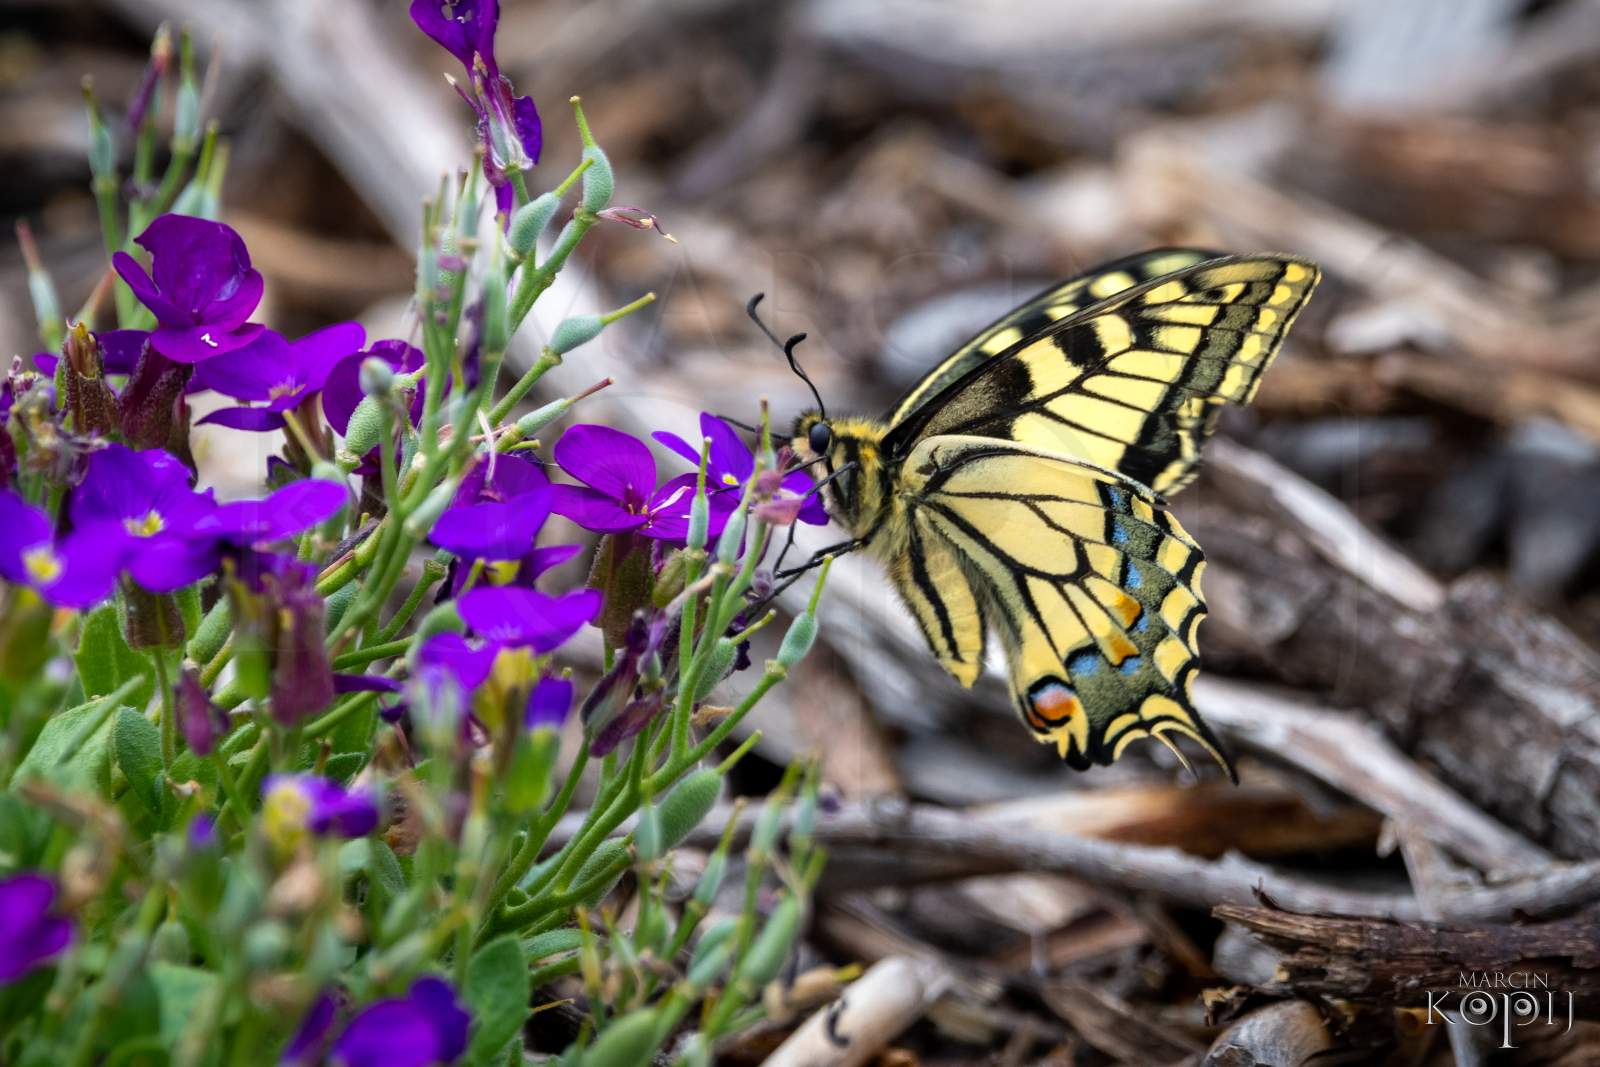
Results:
x,y
284,817
501,572
145,527
42,565
728,479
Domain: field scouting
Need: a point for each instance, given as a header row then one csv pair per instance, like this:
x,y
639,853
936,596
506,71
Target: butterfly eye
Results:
x,y
819,437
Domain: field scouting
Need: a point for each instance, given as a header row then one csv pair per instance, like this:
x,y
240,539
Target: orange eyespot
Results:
x,y
1052,705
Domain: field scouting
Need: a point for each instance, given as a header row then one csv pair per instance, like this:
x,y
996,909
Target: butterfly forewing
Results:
x,y
1093,591
1133,382
1050,306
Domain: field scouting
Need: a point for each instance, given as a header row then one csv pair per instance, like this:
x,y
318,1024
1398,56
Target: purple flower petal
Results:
x,y
530,131
90,561
283,514
252,372
316,354
540,560
513,477
514,616
310,1040
437,1003
163,564
202,267
22,528
121,349
731,457
458,37
470,666
548,704
493,531
255,420
679,445
329,809
390,1033
29,935
593,510
195,344
128,270
669,510
608,460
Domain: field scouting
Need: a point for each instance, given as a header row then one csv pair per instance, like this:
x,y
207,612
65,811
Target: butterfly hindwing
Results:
x,y
1134,382
1092,590
1048,307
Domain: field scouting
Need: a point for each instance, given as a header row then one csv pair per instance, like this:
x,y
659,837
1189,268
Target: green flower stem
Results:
x,y
432,571
538,834
325,725
367,655
230,788
169,714
534,282
247,783
556,903
547,359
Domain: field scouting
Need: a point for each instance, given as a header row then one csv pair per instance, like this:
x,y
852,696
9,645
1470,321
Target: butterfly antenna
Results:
x,y
747,428
788,349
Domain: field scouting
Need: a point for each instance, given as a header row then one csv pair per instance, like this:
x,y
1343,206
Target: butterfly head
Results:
x,y
849,453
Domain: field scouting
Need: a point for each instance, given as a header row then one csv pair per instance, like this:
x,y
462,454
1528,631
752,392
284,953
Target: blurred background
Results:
x,y
894,174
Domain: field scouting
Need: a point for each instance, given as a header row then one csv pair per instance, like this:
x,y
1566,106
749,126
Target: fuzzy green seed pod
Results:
x,y
712,953
722,654
710,883
598,180
765,835
761,964
608,853
338,603
211,633
690,801
578,330
651,933
798,641
647,836
433,505
171,943
536,420
627,1042
732,537
366,426
376,376
699,521
530,221
266,945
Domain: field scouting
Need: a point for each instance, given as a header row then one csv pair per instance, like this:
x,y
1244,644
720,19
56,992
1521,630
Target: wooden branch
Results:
x,y
1107,1023
1399,963
1351,755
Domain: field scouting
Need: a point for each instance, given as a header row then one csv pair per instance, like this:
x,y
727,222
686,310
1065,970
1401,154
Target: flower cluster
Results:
x,y
281,776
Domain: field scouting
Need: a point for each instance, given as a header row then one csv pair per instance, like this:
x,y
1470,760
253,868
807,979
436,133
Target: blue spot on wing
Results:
x,y
1131,665
1143,624
1084,663
1118,534
1135,579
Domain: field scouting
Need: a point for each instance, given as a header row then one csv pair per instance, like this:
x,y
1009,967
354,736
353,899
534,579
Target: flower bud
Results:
x,y
762,963
376,376
580,329
607,854
722,655
690,801
171,943
699,520
530,221
533,756
536,420
432,506
203,722
798,641
443,619
102,150
712,953
149,620
710,883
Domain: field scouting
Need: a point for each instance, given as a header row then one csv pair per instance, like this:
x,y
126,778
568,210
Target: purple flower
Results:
x,y
204,288
310,1040
29,934
128,498
429,1026
619,493
74,572
119,349
548,704
295,801
341,392
729,465
278,372
510,615
172,562
508,125
493,532
450,653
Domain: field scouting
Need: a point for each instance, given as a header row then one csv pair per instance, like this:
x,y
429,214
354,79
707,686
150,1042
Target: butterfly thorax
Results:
x,y
861,497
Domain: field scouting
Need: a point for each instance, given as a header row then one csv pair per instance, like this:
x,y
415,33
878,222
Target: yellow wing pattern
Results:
x,y
1050,306
1093,591
1135,382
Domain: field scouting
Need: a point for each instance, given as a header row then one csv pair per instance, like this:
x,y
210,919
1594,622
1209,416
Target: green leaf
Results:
x,y
189,767
353,857
355,733
551,942
88,768
143,1051
24,832
137,744
384,868
497,991
182,990
105,661
344,766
